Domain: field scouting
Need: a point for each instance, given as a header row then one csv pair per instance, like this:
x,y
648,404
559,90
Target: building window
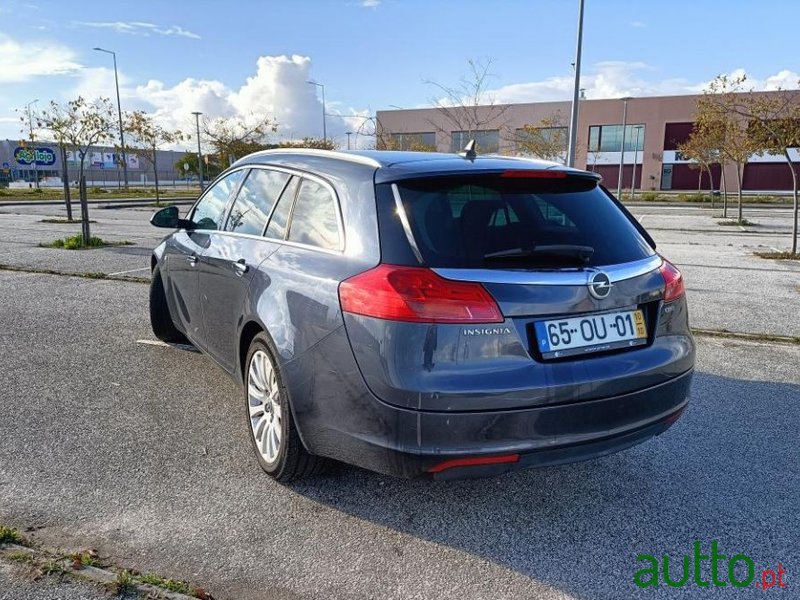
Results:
x,y
486,141
423,140
608,138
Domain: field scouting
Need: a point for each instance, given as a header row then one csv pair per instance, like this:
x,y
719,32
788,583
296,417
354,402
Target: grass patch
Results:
x,y
20,556
52,567
9,535
75,242
124,583
172,585
778,255
97,193
84,559
64,221
736,223
694,198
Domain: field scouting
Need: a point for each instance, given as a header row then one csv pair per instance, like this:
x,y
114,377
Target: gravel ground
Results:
x,y
141,452
18,583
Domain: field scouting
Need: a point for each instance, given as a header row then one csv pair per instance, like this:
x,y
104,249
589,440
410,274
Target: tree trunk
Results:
x,y
65,179
155,173
794,193
724,194
85,233
700,180
739,190
711,185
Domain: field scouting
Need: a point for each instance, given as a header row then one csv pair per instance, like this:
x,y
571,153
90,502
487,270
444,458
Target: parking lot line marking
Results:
x,y
129,271
188,347
641,218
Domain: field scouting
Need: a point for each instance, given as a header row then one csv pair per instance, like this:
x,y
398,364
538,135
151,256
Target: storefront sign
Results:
x,y
45,157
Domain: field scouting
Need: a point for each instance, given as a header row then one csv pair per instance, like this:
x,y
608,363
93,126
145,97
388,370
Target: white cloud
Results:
x,y
24,61
615,79
277,89
638,24
370,3
139,28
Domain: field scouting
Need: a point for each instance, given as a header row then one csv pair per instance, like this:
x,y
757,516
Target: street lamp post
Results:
x,y
324,116
348,133
33,141
573,121
119,113
199,154
622,145
638,129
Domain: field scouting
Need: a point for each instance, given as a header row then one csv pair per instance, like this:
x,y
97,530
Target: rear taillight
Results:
x,y
418,295
673,281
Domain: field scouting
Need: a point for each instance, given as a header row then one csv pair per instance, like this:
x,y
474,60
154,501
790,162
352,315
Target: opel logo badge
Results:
x,y
600,285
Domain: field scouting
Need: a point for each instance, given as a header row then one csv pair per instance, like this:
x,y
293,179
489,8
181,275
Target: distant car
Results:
x,y
426,314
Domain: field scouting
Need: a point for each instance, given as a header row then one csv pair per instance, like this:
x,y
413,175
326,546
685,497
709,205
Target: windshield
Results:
x,y
494,222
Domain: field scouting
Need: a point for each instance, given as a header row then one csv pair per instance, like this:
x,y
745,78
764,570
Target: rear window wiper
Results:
x,y
582,253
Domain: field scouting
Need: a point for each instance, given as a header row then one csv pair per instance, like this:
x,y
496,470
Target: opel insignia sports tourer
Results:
x,y
426,314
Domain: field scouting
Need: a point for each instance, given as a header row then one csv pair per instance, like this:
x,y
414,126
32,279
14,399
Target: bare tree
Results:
x,y
80,126
147,136
467,107
704,152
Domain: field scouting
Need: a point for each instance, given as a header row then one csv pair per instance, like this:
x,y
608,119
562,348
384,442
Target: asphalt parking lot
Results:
x,y
141,451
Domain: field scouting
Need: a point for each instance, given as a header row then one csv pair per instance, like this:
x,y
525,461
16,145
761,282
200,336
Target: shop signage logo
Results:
x,y
25,156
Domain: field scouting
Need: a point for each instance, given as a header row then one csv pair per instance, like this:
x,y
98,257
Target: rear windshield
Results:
x,y
494,222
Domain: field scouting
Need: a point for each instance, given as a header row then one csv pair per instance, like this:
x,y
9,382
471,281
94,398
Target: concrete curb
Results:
x,y
97,575
112,201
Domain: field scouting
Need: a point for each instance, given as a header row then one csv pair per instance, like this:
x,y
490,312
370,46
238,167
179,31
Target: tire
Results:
x,y
279,450
160,319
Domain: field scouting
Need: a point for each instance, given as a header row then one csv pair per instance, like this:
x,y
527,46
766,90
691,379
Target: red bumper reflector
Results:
x,y
674,416
471,462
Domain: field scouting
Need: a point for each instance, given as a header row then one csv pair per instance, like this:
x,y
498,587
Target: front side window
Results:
x,y
258,194
209,211
314,220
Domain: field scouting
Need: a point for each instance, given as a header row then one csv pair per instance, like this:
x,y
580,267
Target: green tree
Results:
x,y
718,119
211,166
774,123
80,125
235,137
146,136
546,139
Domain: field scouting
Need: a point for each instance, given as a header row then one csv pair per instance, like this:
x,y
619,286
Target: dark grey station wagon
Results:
x,y
426,314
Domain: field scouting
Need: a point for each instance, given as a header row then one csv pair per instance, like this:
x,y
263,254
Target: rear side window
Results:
x,y
255,200
210,209
490,221
314,220
280,216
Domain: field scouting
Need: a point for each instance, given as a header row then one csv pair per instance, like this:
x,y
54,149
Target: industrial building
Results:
x,y
654,127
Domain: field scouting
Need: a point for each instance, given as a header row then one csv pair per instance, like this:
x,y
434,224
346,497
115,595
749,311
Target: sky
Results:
x,y
251,57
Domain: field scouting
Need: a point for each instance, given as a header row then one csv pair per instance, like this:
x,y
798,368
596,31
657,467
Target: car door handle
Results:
x,y
240,266
192,260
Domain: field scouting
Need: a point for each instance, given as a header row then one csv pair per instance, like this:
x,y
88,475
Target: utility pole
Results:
x,y
348,133
324,112
119,113
573,120
638,129
622,145
199,153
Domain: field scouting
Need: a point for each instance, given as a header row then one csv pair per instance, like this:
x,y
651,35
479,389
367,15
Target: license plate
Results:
x,y
590,333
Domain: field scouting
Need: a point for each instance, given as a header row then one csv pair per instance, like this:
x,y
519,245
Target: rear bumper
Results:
x,y
413,443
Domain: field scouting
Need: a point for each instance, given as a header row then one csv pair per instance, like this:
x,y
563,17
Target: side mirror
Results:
x,y
169,218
